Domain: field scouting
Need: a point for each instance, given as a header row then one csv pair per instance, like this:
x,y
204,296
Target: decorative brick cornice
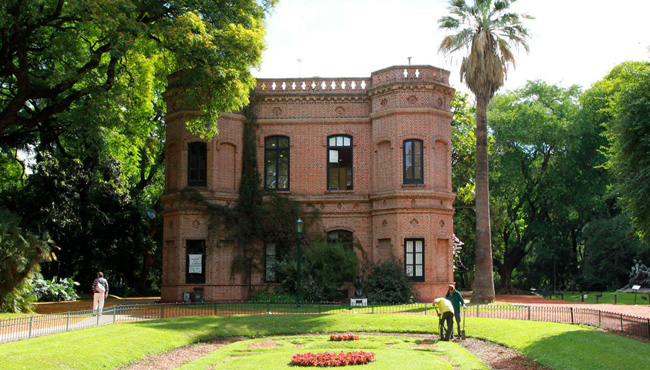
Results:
x,y
420,110
391,87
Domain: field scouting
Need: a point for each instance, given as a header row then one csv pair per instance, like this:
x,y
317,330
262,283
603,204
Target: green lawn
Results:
x,y
390,353
608,297
557,346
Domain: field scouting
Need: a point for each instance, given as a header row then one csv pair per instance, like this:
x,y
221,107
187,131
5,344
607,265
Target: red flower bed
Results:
x,y
332,359
339,337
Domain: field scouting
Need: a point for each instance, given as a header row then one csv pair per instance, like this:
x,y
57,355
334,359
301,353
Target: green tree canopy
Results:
x,y
547,184
55,54
628,131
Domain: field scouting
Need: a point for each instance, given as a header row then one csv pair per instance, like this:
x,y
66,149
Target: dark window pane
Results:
x,y
276,163
196,164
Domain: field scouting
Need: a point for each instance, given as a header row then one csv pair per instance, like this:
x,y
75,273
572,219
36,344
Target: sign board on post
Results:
x,y
636,287
195,267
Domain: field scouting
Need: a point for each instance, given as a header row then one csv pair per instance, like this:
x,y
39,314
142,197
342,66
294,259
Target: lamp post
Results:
x,y
300,236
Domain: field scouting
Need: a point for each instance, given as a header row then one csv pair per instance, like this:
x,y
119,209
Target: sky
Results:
x,y
572,41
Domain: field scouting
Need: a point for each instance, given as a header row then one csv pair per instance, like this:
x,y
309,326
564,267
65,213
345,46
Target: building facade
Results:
x,y
373,155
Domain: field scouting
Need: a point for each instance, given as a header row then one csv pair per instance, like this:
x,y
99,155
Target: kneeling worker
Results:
x,y
446,311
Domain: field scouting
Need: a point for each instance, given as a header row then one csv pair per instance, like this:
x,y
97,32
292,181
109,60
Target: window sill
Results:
x,y
339,191
272,191
413,185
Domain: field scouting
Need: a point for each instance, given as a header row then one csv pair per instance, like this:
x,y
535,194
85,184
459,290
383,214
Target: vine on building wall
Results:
x,y
256,218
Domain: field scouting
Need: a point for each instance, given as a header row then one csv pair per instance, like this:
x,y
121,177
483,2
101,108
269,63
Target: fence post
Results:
x,y
528,313
599,318
67,322
615,298
621,322
372,308
31,322
648,328
162,311
114,313
571,315
477,310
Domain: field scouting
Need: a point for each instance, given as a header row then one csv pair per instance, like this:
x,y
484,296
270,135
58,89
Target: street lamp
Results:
x,y
299,225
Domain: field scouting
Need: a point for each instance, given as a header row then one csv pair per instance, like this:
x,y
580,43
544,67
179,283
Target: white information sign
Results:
x,y
636,287
195,264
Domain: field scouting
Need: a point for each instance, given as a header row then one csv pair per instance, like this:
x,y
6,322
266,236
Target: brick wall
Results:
x,y
378,113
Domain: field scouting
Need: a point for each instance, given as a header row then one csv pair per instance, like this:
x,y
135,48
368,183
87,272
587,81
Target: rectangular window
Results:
x,y
414,259
413,170
195,262
197,164
339,163
269,262
276,163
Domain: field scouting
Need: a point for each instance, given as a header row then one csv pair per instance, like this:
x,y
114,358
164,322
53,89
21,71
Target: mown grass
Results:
x,y
558,346
390,353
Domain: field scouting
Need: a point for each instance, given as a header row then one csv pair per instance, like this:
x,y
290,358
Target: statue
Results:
x,y
639,275
358,293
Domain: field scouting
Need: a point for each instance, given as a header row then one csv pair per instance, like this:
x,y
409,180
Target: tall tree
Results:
x,y
487,30
629,136
55,53
463,160
542,154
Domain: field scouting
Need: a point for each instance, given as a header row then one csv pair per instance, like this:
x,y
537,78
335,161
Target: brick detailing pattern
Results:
x,y
379,112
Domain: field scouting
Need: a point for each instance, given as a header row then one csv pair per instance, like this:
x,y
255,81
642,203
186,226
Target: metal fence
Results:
x,y
37,325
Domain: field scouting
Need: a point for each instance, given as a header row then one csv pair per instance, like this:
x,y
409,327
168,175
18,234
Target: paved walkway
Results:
x,y
43,325
632,310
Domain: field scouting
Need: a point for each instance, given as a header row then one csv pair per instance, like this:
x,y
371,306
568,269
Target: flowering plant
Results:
x,y
457,245
339,337
332,358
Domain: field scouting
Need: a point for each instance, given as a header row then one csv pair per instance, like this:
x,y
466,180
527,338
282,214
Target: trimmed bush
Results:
x,y
386,282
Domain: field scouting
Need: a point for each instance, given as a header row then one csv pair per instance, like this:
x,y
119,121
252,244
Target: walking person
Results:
x,y
456,300
100,292
446,311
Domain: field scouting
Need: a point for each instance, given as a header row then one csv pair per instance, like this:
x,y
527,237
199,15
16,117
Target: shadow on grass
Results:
x,y
590,350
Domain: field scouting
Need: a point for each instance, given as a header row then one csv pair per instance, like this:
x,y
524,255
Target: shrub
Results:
x,y
386,282
21,252
273,297
325,267
54,290
332,359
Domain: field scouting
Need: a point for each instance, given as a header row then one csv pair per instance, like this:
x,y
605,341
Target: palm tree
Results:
x,y
485,29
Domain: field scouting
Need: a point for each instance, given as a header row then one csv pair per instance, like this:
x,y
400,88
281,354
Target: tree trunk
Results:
x,y
483,287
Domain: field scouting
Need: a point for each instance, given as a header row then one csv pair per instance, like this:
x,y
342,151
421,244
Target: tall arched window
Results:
x,y
339,162
197,164
346,238
413,172
276,163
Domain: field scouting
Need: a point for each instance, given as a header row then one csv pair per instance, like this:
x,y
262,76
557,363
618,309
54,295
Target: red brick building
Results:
x,y
372,154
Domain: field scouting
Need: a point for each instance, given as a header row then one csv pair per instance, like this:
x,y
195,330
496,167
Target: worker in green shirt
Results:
x,y
457,301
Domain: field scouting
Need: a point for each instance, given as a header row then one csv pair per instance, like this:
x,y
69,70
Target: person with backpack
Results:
x,y
100,292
